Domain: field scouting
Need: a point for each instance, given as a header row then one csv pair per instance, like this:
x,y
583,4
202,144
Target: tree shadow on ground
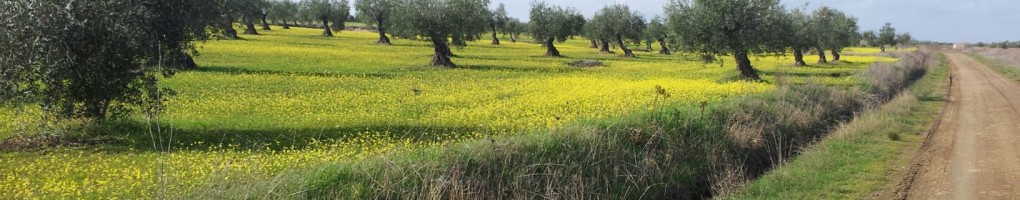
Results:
x,y
137,136
237,70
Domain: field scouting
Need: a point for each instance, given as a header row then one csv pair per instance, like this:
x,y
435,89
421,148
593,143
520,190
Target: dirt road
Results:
x,y
973,151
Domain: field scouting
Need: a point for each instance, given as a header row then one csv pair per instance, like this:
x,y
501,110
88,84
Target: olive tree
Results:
x,y
551,24
886,36
869,39
326,11
833,30
499,21
439,20
730,27
265,7
226,12
802,38
250,11
376,12
906,39
514,28
617,22
657,32
284,11
97,59
593,31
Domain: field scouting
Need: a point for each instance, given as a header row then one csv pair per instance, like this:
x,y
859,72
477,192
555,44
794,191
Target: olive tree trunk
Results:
x,y
551,48
229,31
495,39
835,55
798,57
285,25
605,46
821,56
665,49
265,24
744,65
594,44
250,27
325,27
383,39
623,46
442,51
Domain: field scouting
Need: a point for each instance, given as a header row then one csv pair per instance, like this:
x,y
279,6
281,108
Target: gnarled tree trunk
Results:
x,y
442,51
495,39
551,48
605,46
665,49
383,39
821,56
798,57
623,46
250,27
882,47
744,65
325,27
594,44
835,55
285,25
265,24
229,31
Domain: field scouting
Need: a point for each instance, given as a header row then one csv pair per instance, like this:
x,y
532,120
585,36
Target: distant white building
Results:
x,y
960,45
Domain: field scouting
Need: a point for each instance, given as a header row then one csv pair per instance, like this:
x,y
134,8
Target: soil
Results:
x,y
972,151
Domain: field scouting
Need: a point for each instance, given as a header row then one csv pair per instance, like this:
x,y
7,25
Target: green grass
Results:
x,y
269,109
862,158
1011,71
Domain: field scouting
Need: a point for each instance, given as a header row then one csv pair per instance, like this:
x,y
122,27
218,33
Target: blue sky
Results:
x,y
937,20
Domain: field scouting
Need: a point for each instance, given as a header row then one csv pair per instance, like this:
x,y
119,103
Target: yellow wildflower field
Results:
x,y
289,100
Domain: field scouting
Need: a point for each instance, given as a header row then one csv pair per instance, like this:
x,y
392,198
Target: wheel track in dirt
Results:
x,y
970,151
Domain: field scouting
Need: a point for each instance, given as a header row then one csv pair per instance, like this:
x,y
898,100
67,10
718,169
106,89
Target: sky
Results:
x,y
931,20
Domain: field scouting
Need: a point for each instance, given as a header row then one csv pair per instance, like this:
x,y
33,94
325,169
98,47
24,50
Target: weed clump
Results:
x,y
586,63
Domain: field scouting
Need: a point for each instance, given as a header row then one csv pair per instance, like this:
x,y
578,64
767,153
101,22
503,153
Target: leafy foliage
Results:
x,y
869,39
730,27
95,59
326,11
618,23
376,12
833,30
658,32
439,20
285,11
887,36
551,24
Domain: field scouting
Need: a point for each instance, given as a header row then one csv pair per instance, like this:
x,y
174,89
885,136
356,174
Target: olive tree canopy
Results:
x,y
730,27
285,11
325,11
438,20
886,36
97,59
833,30
617,22
376,12
551,24
657,32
